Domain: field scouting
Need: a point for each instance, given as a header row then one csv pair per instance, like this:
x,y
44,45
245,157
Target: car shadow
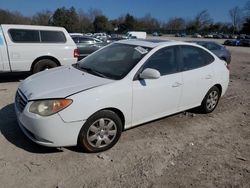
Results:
x,y
13,77
10,130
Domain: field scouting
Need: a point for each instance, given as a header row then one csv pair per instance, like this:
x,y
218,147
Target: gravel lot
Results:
x,y
184,150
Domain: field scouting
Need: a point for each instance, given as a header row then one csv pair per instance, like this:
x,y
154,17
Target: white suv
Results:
x,y
35,48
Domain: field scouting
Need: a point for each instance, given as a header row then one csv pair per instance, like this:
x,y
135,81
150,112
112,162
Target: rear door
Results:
x,y
197,72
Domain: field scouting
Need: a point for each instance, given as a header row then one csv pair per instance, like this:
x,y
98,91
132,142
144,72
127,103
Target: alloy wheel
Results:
x,y
101,133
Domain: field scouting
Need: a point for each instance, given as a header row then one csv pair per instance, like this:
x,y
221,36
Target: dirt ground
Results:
x,y
184,150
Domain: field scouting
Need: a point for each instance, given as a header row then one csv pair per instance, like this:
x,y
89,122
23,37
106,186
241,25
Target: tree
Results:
x,y
67,18
101,24
93,13
7,17
147,23
85,23
235,15
42,18
129,22
202,19
175,24
200,23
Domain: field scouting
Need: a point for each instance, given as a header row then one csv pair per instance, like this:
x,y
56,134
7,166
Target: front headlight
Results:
x,y
49,107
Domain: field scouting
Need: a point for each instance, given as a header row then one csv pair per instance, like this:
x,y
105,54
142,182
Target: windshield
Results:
x,y
114,61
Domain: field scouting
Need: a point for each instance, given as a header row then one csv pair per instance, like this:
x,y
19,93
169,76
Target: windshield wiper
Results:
x,y
91,71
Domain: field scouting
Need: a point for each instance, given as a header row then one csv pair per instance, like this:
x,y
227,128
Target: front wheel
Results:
x,y
211,100
100,132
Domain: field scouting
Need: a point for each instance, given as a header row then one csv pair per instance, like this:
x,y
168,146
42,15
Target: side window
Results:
x,y
194,57
164,61
23,35
53,36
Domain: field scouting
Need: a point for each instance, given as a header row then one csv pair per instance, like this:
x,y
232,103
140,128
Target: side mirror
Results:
x,y
150,74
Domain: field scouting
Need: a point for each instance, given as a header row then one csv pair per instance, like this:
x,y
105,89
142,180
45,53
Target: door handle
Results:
x,y
208,77
176,84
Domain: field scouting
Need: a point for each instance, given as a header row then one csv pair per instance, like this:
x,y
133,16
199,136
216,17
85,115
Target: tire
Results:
x,y
43,64
210,101
100,132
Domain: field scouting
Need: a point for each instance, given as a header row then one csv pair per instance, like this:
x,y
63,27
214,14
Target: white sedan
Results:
x,y
120,86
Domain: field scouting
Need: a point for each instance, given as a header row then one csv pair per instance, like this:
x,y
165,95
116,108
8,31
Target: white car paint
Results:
x,y
19,56
139,102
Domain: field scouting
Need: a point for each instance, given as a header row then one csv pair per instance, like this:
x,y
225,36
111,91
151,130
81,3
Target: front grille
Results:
x,y
20,101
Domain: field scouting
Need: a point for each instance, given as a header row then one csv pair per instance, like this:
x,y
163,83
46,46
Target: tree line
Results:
x,y
94,20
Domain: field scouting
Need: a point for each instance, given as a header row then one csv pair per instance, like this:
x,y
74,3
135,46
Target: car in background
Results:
x,y
155,34
218,49
31,48
196,35
88,34
136,35
183,34
245,42
247,37
75,34
232,42
101,36
208,36
177,35
123,85
180,35
217,36
87,45
114,37
232,36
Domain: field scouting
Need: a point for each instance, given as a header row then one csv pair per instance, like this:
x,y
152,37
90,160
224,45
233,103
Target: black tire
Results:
x,y
43,65
87,133
207,106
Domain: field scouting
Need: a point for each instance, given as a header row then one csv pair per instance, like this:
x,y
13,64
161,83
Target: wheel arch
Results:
x,y
119,113
44,57
219,87
116,111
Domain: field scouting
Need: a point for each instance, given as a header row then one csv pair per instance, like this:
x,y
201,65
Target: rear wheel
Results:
x,y
100,132
211,100
43,64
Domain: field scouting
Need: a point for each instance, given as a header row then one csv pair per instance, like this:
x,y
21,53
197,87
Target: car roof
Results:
x,y
150,43
41,27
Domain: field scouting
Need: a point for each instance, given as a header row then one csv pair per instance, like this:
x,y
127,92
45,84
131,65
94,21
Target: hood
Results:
x,y
59,83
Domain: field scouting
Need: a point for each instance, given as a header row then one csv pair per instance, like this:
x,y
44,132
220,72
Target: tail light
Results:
x,y
76,54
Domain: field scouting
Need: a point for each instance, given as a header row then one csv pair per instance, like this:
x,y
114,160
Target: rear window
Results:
x,y
21,35
52,36
194,57
36,36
